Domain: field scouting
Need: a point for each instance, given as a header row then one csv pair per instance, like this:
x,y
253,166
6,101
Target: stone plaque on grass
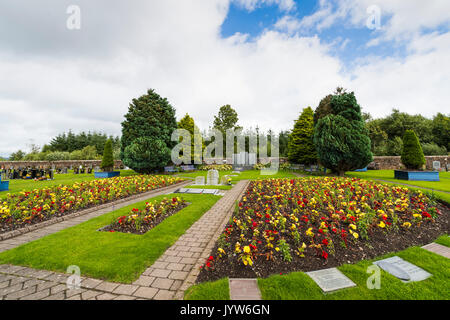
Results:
x,y
194,191
330,280
403,270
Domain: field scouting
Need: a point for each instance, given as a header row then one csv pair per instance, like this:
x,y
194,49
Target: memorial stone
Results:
x,y
404,270
212,178
331,279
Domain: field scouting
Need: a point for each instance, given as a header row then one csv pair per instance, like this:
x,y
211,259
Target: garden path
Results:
x,y
168,278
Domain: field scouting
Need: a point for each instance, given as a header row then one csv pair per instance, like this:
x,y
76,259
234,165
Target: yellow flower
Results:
x,y
247,249
309,232
355,235
352,226
382,224
407,225
277,249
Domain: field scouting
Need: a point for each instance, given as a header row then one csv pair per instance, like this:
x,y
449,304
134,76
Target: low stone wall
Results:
x,y
56,164
392,163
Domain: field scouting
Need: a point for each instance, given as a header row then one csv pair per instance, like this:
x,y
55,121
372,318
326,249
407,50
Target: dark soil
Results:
x,y
144,228
379,243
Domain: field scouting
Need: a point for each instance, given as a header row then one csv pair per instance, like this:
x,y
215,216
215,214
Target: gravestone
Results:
x,y
252,159
200,180
405,271
194,191
331,279
212,178
436,165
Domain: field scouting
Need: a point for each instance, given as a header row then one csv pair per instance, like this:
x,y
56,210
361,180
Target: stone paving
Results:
x,y
166,279
438,249
71,221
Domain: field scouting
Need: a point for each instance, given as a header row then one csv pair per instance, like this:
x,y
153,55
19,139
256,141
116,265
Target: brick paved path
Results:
x,y
79,217
166,279
438,249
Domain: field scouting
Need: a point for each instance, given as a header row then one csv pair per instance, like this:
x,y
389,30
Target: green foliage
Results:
x,y
441,130
57,156
146,155
301,146
187,123
17,156
412,155
283,139
108,160
394,147
432,149
227,118
146,133
70,142
341,138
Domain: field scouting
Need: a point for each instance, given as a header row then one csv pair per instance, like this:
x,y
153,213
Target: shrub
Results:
x,y
301,146
57,156
412,154
146,133
432,149
108,160
341,138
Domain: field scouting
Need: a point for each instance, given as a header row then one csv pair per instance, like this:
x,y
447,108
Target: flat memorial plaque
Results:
x,y
181,190
194,191
210,191
403,269
331,279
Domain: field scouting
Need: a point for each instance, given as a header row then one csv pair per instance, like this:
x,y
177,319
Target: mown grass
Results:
x,y
104,255
443,185
299,286
59,179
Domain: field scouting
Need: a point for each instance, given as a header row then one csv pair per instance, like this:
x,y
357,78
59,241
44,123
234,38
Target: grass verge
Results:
x,y
299,286
115,256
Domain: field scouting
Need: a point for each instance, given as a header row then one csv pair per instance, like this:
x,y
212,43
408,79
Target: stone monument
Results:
x,y
212,179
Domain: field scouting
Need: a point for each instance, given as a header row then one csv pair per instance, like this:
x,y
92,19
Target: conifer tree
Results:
x,y
301,146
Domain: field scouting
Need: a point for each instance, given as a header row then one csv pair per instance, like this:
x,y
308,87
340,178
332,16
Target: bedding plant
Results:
x,y
21,209
142,221
283,225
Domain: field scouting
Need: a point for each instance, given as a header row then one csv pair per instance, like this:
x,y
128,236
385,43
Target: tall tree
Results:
x,y
341,138
187,123
146,133
301,146
441,130
226,119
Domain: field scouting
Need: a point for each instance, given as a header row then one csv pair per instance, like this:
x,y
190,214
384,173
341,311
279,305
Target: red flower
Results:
x,y
325,242
211,258
324,255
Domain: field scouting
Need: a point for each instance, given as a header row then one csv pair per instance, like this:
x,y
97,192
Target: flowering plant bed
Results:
x,y
218,167
25,208
140,222
283,225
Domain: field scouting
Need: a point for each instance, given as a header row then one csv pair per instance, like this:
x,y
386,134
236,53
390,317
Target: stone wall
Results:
x,y
392,163
56,164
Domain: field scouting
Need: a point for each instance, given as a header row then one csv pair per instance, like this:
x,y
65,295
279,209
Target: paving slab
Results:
x,y
330,280
244,289
438,249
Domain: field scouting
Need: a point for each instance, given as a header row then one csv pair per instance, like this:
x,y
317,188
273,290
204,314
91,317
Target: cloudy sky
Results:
x,y
267,58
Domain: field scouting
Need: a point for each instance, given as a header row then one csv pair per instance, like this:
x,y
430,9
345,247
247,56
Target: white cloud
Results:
x,y
53,79
250,5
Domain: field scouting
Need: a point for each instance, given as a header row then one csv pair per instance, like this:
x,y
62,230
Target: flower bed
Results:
x,y
284,225
140,222
218,167
31,207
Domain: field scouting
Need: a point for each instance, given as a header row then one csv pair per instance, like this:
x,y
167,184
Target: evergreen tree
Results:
x,y
146,133
187,123
301,146
412,154
108,160
341,138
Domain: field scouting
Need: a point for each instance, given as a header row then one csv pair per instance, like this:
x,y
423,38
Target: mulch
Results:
x,y
379,243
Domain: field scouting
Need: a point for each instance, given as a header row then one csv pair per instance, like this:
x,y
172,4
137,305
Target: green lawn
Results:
x,y
299,286
64,179
443,185
245,175
111,256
